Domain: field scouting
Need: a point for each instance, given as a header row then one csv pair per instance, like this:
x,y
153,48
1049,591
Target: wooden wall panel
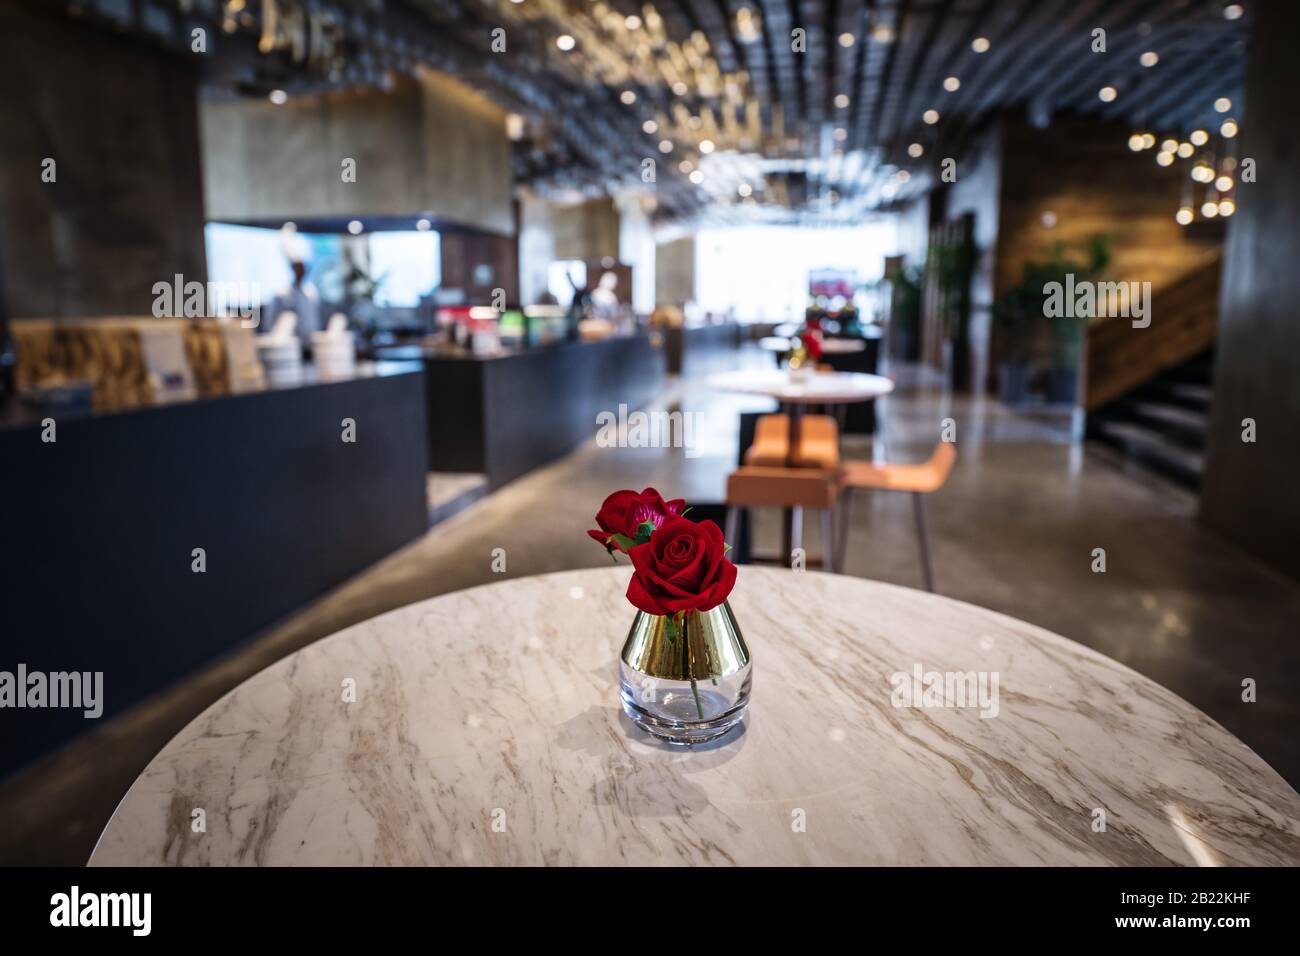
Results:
x,y
1249,494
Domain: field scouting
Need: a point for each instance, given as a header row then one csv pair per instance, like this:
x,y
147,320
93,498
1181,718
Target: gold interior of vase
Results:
x,y
711,647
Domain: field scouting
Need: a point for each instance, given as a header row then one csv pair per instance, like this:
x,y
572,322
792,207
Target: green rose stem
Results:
x,y
686,660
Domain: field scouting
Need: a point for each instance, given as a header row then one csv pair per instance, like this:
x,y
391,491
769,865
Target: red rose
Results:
x,y
683,567
625,511
812,344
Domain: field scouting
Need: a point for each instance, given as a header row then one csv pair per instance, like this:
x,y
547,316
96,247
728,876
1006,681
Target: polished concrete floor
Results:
x,y
1014,529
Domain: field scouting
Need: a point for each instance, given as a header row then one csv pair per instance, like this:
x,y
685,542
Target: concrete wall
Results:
x,y
1249,490
428,146
536,247
125,210
586,230
636,248
975,192
675,271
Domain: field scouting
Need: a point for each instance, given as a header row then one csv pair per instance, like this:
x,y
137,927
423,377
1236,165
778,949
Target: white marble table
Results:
x,y
816,388
486,729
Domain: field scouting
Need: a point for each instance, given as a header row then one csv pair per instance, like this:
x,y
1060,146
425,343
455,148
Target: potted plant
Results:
x,y
1017,313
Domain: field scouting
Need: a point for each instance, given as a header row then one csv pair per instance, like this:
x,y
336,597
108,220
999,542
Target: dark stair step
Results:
x,y
1156,451
1195,397
1185,426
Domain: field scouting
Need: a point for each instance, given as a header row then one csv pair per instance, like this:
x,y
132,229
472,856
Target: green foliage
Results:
x,y
1019,308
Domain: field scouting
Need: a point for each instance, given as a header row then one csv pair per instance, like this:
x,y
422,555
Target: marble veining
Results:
x,y
486,729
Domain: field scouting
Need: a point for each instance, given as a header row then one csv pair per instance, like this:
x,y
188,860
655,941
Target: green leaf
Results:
x,y
671,628
644,530
623,541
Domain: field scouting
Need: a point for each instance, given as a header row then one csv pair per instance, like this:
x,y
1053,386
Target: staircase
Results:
x,y
1162,423
1148,390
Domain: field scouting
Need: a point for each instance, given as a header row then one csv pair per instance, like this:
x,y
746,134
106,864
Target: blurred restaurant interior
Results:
x,y
311,310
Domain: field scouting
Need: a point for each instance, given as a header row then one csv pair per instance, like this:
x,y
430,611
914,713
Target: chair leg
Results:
x,y
918,503
828,541
796,531
842,539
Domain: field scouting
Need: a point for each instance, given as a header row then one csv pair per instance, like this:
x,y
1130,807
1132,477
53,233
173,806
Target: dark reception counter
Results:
x,y
142,544
506,414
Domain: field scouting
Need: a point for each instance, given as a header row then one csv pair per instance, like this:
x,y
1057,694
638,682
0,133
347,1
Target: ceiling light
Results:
x,y
706,146
1107,94
632,22
514,127
1048,219
841,134
665,146
1228,129
1222,104
883,34
1148,140
565,42
1164,159
930,117
916,150
685,166
1169,145
1202,173
355,227
1135,142
1149,58
1209,209
649,127
1232,11
841,101
627,97
745,189
278,97
680,88
1184,216
1227,207
423,225
980,44
1223,184
697,177
1185,150
902,175
1199,137
952,84
846,40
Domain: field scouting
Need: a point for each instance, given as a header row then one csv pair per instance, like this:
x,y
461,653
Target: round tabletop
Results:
x,y
484,727
815,388
776,343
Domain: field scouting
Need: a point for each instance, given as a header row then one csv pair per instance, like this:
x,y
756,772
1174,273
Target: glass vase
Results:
x,y
685,684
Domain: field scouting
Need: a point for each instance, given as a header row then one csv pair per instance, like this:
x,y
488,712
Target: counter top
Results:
x,y
458,354
16,414
485,728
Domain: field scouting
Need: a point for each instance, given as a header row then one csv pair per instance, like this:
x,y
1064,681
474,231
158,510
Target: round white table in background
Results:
x,y
485,728
775,343
817,388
